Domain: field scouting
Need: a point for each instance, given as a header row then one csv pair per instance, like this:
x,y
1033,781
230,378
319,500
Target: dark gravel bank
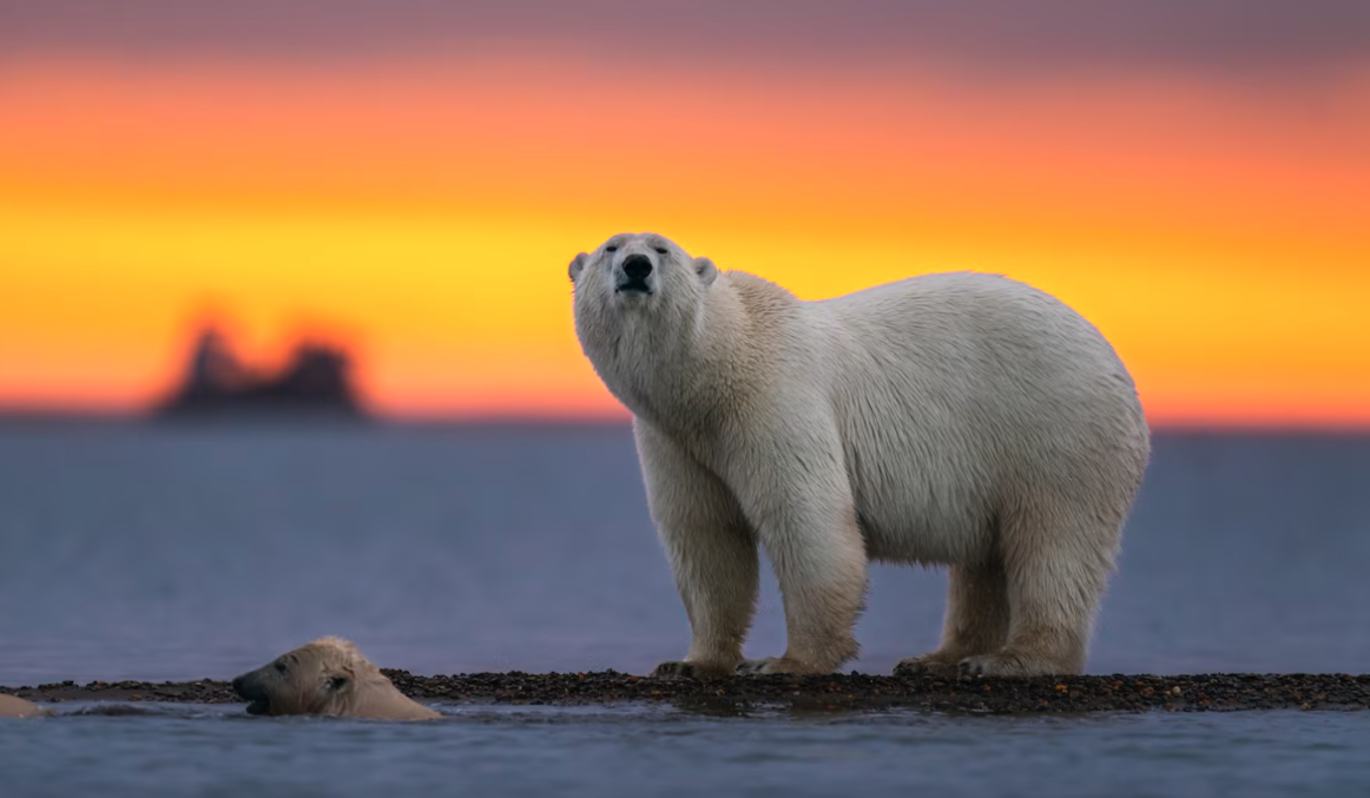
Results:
x,y
1215,692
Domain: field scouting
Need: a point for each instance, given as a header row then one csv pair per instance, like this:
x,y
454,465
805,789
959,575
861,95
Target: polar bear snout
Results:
x,y
249,687
634,275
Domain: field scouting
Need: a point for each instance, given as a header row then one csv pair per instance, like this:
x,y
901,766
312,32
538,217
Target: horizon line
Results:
x,y
10,414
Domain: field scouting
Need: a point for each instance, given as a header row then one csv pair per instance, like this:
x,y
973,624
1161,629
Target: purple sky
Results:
x,y
1227,35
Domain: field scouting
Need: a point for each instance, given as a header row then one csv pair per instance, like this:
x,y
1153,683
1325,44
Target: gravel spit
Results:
x,y
854,691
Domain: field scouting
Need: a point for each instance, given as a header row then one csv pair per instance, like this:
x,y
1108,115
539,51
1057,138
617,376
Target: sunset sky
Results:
x,y
414,176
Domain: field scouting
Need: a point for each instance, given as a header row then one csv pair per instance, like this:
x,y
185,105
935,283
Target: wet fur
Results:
x,y
16,707
326,677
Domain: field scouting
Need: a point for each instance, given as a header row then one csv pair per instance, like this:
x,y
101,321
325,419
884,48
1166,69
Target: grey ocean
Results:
x,y
131,551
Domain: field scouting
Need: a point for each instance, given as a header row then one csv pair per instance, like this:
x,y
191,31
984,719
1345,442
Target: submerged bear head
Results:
x,y
326,677
311,680
636,271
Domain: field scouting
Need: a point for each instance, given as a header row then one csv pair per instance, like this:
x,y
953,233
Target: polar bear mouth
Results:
x,y
259,700
634,287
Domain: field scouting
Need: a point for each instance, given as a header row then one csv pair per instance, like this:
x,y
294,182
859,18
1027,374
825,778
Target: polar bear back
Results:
x,y
963,396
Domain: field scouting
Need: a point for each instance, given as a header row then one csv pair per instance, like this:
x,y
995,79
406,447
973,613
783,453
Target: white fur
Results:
x,y
16,707
960,419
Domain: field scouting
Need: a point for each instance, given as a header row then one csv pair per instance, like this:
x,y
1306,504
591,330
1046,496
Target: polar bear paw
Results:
x,y
770,665
933,663
1011,664
681,669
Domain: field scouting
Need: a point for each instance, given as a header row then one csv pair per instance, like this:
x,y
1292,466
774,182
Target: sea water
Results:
x,y
132,551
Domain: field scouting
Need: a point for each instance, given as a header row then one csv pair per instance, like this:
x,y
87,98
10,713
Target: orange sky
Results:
x,y
1218,234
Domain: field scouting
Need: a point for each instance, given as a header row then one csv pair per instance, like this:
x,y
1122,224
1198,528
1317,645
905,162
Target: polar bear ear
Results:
x,y
706,270
577,265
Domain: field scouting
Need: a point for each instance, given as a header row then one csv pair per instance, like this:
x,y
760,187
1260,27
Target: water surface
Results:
x,y
142,553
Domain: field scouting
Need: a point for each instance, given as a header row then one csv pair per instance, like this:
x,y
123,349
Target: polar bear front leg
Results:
x,y
712,551
806,520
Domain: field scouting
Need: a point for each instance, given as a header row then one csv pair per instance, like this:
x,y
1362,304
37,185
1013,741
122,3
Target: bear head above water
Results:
x,y
326,677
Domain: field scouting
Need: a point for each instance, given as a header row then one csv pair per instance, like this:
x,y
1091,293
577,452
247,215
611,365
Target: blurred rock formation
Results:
x,y
316,381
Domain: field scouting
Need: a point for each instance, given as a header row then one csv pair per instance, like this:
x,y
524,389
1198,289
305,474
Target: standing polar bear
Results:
x,y
961,419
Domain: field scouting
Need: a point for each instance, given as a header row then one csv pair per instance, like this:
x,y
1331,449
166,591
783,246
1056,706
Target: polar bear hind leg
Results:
x,y
977,618
1056,566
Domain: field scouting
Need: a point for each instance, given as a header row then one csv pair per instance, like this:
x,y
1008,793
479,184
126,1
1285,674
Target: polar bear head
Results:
x,y
637,272
326,677
312,679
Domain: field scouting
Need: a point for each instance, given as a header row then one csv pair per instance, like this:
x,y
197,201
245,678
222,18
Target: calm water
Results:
x,y
128,552
651,752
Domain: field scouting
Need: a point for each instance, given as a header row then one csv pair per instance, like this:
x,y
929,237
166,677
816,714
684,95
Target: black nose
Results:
x,y
637,267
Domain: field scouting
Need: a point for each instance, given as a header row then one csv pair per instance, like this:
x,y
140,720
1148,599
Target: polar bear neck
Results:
x,y
692,365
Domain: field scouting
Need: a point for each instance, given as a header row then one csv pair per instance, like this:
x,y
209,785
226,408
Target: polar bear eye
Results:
x,y
611,249
280,667
661,250
337,682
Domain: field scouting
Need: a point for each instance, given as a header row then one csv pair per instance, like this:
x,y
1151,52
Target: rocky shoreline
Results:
x,y
1197,693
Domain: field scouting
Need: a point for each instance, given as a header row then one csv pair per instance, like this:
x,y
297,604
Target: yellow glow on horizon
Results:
x,y
428,217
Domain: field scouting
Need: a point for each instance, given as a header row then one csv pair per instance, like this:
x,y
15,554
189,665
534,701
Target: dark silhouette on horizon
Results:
x,y
315,382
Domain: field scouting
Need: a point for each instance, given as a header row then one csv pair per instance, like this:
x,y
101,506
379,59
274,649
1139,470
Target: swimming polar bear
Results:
x,y
960,419
326,677
16,707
